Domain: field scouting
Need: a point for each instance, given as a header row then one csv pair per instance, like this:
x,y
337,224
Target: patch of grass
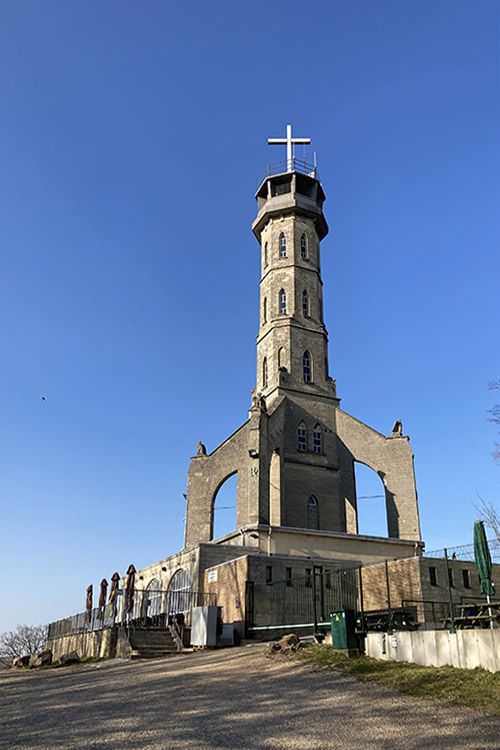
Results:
x,y
475,688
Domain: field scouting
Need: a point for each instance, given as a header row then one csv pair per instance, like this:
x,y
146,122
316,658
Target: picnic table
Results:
x,y
475,615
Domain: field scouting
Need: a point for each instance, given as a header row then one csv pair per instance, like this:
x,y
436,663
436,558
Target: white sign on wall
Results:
x,y
212,576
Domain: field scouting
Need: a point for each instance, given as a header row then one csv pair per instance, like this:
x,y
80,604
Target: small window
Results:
x,y
281,357
302,437
305,303
317,439
312,513
303,246
432,576
269,574
466,578
451,578
309,582
306,367
264,310
264,372
265,254
282,302
282,246
288,575
327,576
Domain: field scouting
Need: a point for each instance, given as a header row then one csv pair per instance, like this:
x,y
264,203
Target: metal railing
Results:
x,y
295,165
150,609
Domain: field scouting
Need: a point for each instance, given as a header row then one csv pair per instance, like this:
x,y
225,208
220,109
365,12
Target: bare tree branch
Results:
x,y
489,515
494,412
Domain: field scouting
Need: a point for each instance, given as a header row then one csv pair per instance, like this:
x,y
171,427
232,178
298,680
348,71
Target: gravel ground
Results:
x,y
237,698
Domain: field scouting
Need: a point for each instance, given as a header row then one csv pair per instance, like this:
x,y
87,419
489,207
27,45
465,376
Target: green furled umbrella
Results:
x,y
483,559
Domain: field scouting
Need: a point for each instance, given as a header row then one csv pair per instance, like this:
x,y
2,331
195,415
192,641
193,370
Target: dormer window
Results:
x,y
282,246
303,246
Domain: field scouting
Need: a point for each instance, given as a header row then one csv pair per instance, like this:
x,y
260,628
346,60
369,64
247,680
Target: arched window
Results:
x,y
303,246
282,302
302,437
264,310
281,357
305,303
264,372
307,367
312,513
318,439
265,254
282,246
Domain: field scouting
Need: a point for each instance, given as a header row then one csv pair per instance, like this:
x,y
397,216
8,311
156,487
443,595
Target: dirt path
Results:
x,y
237,698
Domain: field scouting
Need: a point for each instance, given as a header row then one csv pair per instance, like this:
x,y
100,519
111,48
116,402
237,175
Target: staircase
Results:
x,y
151,643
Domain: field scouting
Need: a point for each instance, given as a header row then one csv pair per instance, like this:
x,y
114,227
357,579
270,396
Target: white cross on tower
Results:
x,y
289,141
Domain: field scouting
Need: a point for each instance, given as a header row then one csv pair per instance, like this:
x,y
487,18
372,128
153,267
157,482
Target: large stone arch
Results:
x,y
392,458
206,476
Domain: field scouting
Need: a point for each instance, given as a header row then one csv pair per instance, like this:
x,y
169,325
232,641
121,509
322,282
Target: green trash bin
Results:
x,y
343,625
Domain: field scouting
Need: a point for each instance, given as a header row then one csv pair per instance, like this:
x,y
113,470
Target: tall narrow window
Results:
x,y
432,576
317,439
289,580
302,437
282,302
265,253
282,246
466,578
264,372
281,357
305,303
269,574
264,310
307,367
303,246
312,513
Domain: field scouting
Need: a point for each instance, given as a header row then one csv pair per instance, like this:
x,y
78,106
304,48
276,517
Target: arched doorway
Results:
x,y
152,601
179,593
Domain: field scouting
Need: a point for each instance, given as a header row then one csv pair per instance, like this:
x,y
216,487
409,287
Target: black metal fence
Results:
x,y
150,609
302,603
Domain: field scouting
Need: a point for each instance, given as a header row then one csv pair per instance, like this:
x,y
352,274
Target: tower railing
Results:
x,y
295,165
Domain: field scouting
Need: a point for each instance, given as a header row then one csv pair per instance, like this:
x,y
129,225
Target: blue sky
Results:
x,y
132,140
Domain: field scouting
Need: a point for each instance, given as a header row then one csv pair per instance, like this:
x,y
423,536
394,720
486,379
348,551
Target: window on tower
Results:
x,y
303,246
312,513
307,367
264,310
282,246
305,303
318,439
264,372
282,302
302,437
265,253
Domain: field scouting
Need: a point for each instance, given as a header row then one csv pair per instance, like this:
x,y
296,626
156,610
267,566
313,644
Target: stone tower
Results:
x,y
295,455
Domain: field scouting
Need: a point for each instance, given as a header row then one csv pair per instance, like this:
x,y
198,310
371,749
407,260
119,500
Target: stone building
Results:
x,y
294,456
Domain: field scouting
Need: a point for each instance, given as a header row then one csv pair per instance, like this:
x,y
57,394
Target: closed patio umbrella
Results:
x,y
102,597
88,604
483,562
113,592
129,589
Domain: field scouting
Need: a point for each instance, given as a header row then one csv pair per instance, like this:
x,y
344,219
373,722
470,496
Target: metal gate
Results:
x,y
303,604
